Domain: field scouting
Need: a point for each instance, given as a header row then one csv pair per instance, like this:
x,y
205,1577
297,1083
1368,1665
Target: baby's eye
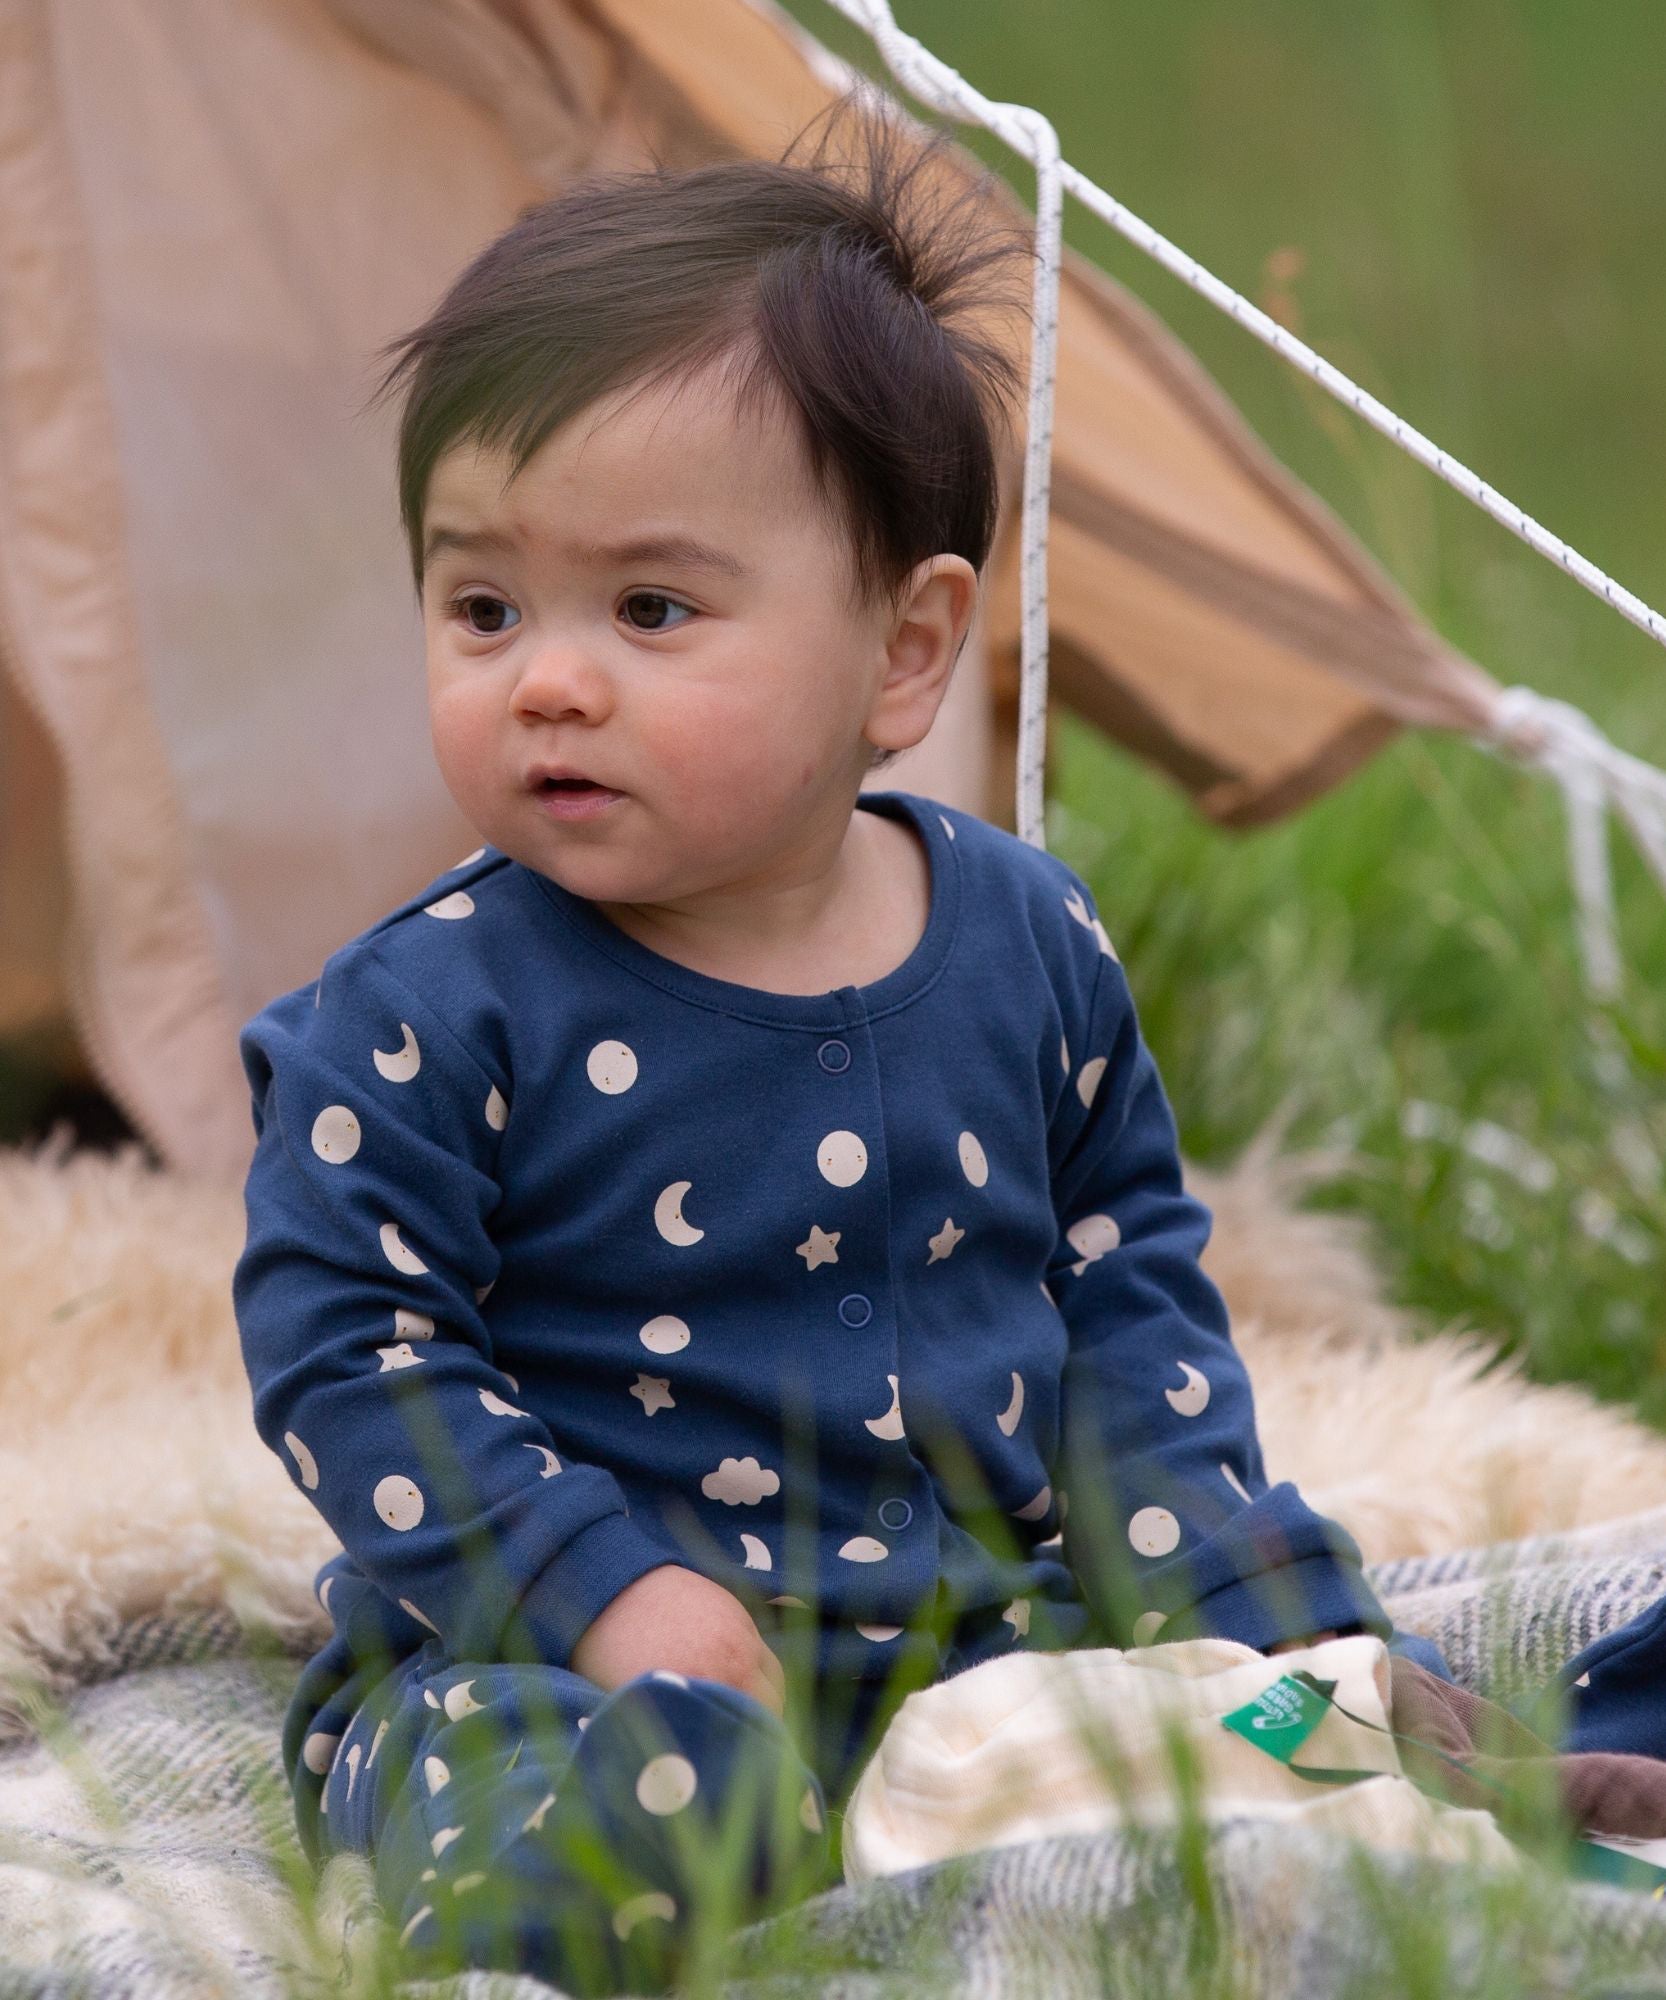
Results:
x,y
459,608
657,606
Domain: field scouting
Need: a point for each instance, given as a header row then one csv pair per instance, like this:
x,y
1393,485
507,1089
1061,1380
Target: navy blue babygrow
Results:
x,y
565,1261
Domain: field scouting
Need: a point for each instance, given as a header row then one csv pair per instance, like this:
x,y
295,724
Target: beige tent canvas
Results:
x,y
214,760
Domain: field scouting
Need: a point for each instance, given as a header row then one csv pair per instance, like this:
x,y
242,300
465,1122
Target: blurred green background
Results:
x,y
1460,204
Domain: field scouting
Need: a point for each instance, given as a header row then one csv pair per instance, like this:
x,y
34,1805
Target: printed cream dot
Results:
x,y
412,1325
666,1674
458,904
1193,1399
443,1839
402,1063
437,1772
376,1742
472,1880
307,1463
459,1701
398,1500
864,1549
427,1910
809,1813
974,1164
353,1757
1088,1082
429,1875
1007,1421
665,1334
1154,1532
318,1752
948,825
611,1067
1091,1236
430,1697
666,1784
1064,1055
497,1109
842,1158
421,1617
335,1134
651,1903
1147,1625
401,1258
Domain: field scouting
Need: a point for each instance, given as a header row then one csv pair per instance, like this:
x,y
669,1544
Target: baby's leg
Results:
x,y
530,1822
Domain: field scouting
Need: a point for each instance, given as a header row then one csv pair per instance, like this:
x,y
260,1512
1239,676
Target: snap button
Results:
x,y
855,1309
899,1520
834,1055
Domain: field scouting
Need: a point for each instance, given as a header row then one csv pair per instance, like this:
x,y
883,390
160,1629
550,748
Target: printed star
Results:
x,y
819,1247
399,1356
944,1241
654,1392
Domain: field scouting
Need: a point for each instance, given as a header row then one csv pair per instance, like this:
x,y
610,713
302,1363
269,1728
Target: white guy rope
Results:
x,y
1532,728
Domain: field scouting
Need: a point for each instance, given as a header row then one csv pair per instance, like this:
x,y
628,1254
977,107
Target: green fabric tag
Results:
x,y
1282,1717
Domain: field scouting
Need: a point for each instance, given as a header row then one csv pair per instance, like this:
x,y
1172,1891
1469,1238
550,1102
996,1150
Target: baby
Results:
x,y
701,1244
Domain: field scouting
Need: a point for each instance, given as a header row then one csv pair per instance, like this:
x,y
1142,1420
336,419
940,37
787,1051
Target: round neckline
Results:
x,y
840,1004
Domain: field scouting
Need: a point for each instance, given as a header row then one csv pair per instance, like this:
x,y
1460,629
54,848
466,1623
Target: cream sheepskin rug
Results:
x,y
132,1480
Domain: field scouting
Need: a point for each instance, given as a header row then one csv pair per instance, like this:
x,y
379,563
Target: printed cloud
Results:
x,y
740,1482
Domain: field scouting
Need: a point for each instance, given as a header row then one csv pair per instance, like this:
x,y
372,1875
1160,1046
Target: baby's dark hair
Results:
x,y
842,288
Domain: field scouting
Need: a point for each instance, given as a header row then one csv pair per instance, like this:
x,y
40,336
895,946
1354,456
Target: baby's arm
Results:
x,y
357,1295
1172,1528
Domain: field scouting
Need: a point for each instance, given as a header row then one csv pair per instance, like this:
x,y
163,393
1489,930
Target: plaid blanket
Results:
x,y
147,1850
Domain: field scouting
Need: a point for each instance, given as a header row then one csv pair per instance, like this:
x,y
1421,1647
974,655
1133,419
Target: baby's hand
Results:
x,y
1300,1645
675,1617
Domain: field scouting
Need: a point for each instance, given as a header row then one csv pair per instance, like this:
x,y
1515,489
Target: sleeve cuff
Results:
x,y
1320,1593
1276,1571
570,1593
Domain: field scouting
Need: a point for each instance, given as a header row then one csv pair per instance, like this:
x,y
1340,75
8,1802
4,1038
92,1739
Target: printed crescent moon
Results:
x,y
1008,1419
1034,1509
398,1255
552,1464
404,1063
1194,1398
668,1215
889,1425
757,1551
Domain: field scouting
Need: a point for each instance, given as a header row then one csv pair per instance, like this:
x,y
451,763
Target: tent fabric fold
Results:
x,y
214,760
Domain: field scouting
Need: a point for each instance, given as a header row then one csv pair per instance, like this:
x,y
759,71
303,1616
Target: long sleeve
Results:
x,y
1171,1528
358,1301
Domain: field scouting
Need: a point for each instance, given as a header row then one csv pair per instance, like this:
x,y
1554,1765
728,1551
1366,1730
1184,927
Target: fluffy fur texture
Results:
x,y
132,1480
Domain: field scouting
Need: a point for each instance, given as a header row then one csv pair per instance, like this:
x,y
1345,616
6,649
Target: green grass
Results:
x,y
1471,188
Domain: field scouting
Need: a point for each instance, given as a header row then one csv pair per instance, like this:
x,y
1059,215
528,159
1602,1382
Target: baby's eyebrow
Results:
x,y
684,551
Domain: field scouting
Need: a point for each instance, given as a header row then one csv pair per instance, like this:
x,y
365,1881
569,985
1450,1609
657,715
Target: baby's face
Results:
x,y
715,675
